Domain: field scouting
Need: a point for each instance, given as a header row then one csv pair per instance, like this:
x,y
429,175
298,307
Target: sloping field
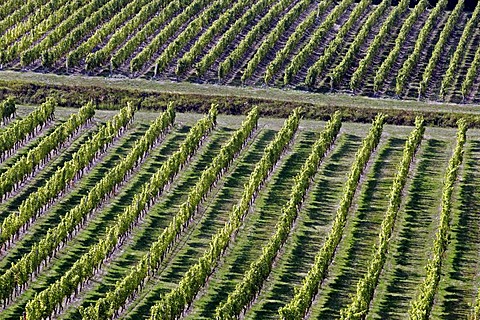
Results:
x,y
136,214
377,48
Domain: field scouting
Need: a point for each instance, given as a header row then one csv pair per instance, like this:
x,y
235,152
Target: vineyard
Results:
x,y
134,214
406,49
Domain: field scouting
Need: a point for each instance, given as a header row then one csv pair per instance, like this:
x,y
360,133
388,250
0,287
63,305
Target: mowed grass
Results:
x,y
410,245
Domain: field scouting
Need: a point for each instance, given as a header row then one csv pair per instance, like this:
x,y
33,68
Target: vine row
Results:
x,y
459,51
171,305
331,50
11,47
248,41
121,35
253,279
281,55
104,31
166,33
358,307
227,38
425,33
17,276
26,128
440,46
37,202
298,306
387,65
272,38
7,110
45,302
108,306
193,29
339,71
373,49
422,305
195,51
300,58
467,84
91,22
79,16
26,165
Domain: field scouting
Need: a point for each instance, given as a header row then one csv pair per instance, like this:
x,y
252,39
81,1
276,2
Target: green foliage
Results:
x,y
108,306
7,111
387,64
227,38
330,51
31,207
195,27
164,35
340,70
24,9
467,33
281,55
274,36
467,84
298,306
216,26
23,129
18,274
20,36
358,308
171,305
118,38
440,45
422,304
426,32
27,164
59,32
299,59
45,302
107,29
254,277
373,49
247,43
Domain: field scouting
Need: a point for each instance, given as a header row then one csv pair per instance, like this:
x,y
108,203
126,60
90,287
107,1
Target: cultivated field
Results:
x,y
134,214
366,47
